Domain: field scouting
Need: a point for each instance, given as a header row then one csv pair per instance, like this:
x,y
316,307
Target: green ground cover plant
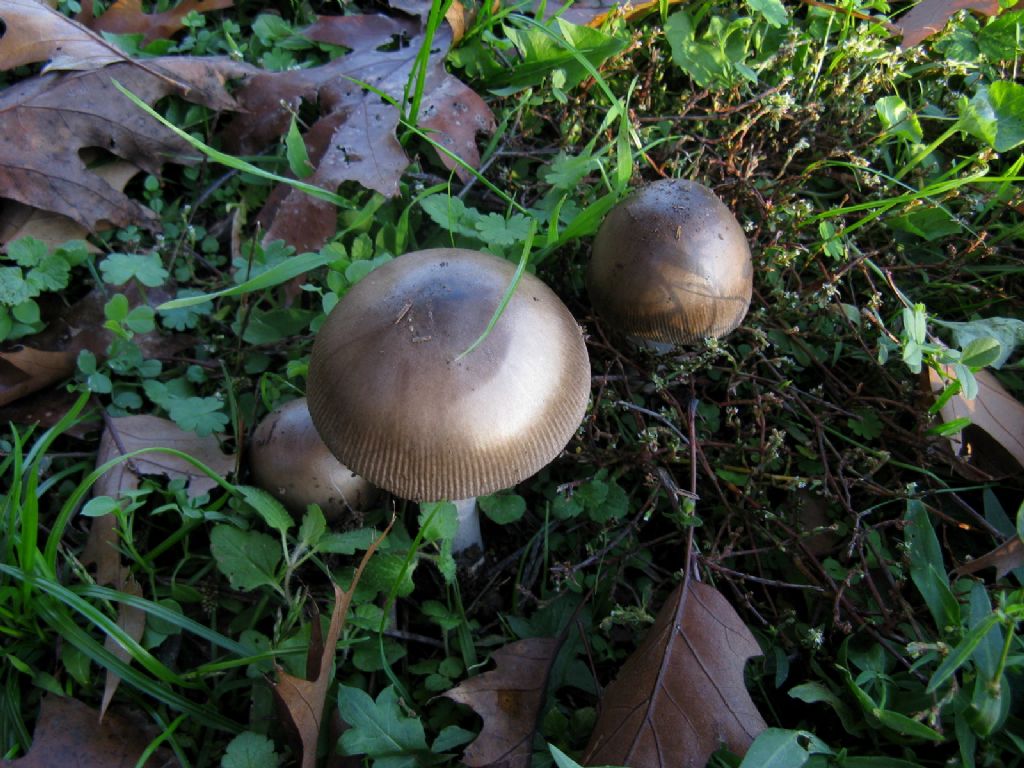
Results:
x,y
844,468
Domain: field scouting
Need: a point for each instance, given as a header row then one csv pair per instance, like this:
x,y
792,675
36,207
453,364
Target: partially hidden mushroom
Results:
x,y
396,396
671,265
288,459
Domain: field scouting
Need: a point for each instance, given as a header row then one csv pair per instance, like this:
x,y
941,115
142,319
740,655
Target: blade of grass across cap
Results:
x,y
524,259
276,275
230,160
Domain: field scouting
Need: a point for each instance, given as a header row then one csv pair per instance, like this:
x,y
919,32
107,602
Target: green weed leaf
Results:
x,y
450,737
250,750
897,118
503,508
1008,331
13,288
981,352
248,558
380,729
267,507
927,570
995,115
27,251
780,748
555,48
295,151
202,415
439,520
347,543
313,527
119,268
963,651
773,11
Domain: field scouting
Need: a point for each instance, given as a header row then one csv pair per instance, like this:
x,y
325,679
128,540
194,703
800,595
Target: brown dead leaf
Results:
x,y
929,17
508,698
53,229
1006,557
41,136
126,17
69,733
354,139
24,370
46,408
35,32
50,356
302,701
994,410
125,435
144,431
133,621
681,694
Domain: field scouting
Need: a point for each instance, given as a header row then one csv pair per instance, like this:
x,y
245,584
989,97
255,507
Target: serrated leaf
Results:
x,y
313,528
250,750
438,520
202,415
27,251
347,543
380,729
119,268
270,509
248,558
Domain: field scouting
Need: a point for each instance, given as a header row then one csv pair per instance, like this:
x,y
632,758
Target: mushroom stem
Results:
x,y
468,533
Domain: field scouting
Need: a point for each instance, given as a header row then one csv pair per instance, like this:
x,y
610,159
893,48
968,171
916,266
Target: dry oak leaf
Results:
x,y
354,138
53,229
994,410
128,434
24,370
50,356
508,698
302,701
681,694
929,17
68,733
46,121
1007,557
33,31
126,17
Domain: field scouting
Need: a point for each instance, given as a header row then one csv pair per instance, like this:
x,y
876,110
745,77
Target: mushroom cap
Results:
x,y
670,263
289,460
391,397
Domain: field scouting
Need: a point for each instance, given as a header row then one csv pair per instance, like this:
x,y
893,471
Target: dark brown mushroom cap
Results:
x,y
670,263
288,459
393,400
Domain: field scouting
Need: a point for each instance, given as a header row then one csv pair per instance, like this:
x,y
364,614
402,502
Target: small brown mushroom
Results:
x,y
289,460
671,264
395,396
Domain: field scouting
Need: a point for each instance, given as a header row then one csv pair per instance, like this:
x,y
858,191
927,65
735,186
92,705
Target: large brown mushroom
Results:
x,y
395,396
671,264
289,460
